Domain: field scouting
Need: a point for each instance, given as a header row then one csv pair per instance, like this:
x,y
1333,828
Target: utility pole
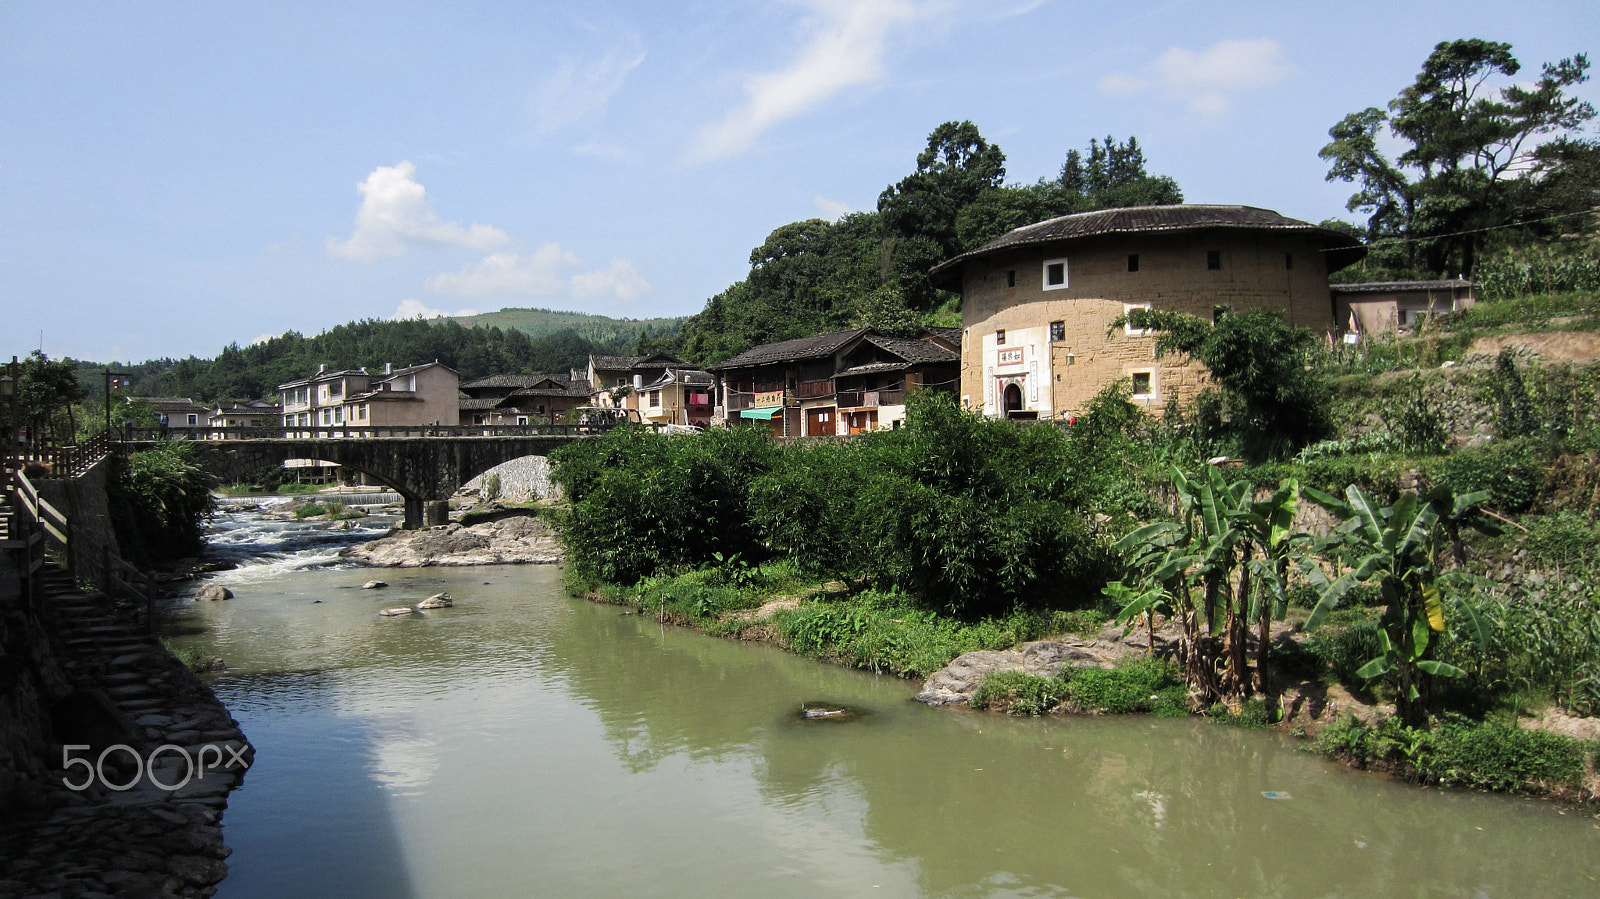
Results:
x,y
115,381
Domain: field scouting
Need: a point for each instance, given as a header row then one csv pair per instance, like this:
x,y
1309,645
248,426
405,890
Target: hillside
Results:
x,y
598,328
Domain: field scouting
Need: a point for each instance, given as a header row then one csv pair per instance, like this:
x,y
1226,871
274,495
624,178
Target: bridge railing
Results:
x,y
339,432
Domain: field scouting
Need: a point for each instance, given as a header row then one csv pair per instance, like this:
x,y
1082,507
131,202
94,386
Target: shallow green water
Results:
x,y
527,743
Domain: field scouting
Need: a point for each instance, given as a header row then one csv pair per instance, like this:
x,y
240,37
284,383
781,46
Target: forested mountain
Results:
x,y
255,371
870,269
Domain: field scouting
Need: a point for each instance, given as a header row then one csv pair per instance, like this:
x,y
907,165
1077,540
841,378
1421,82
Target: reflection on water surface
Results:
x,y
528,743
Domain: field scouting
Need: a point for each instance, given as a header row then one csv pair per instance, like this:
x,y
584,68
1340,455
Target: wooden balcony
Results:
x,y
871,399
810,390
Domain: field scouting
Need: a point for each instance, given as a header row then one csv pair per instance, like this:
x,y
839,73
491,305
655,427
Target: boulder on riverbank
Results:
x,y
957,681
514,539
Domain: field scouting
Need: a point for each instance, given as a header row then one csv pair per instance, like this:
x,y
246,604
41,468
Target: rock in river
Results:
x,y
828,711
508,540
397,613
374,585
212,593
436,601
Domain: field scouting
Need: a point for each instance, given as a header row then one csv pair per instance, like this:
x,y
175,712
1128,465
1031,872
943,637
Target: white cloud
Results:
x,y
395,216
832,210
262,339
578,90
1204,80
845,44
598,150
540,273
619,281
409,309
1121,84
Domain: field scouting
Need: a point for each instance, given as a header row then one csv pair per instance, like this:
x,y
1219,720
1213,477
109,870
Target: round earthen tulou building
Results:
x,y
1038,302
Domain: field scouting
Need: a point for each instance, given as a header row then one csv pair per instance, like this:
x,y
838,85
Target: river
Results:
x,y
527,743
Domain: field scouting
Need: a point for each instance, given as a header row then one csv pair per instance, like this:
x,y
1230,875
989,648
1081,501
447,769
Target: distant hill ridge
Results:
x,y
534,322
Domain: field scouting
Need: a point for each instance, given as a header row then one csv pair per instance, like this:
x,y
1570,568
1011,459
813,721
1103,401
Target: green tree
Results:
x,y
159,500
957,166
47,392
1274,402
1469,153
1109,176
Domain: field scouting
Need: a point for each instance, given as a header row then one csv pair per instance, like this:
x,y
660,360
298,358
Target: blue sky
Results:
x,y
175,177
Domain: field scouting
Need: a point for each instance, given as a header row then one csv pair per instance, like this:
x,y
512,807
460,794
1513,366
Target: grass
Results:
x,y
875,630
191,657
1464,753
1137,685
888,632
1540,312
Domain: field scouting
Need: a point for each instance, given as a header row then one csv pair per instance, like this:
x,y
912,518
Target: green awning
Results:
x,y
768,412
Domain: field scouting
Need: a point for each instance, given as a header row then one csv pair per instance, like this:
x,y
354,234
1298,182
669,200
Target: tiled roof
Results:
x,y
576,390
170,402
613,363
525,382
1343,248
390,396
689,377
874,368
814,347
1399,286
411,369
324,376
914,351
624,363
504,381
252,408
473,404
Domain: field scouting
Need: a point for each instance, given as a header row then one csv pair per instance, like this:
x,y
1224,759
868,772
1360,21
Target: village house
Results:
x,y
835,384
252,414
1037,304
681,396
355,403
618,381
523,399
1377,307
175,413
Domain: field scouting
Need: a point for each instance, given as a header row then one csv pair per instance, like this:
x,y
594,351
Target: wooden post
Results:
x,y
72,552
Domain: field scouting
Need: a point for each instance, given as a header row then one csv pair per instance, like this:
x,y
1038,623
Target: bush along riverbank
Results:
x,y
1399,569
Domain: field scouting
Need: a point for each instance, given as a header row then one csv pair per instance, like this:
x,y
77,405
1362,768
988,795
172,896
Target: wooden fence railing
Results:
x,y
34,527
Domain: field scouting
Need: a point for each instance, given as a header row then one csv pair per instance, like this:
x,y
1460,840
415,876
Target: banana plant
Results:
x,y
1270,546
1223,565
1400,547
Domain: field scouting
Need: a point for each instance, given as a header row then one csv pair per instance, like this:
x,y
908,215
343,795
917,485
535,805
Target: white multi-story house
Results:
x,y
357,403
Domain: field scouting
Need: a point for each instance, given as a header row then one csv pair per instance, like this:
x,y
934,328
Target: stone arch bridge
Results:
x,y
424,470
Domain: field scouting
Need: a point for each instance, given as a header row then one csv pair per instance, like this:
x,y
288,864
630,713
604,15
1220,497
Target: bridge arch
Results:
x,y
423,470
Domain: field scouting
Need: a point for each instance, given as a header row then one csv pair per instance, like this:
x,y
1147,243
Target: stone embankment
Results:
x,y
136,809
511,537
